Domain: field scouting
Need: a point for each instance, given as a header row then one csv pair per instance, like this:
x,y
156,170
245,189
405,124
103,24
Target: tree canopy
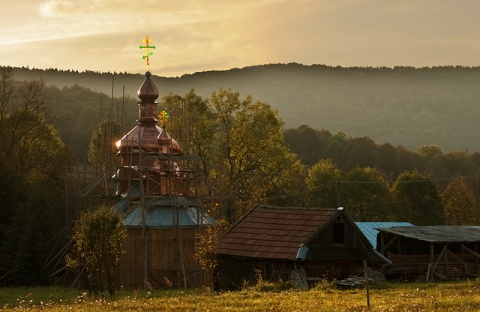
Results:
x,y
99,237
461,206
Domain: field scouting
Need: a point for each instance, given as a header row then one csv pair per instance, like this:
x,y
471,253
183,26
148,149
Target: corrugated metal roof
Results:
x,y
274,232
438,234
370,229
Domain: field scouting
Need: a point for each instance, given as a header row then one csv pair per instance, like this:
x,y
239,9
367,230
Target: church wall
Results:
x,y
165,254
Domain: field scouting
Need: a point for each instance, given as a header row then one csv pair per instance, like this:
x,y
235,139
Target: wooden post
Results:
x,y
446,264
430,265
476,258
144,215
366,284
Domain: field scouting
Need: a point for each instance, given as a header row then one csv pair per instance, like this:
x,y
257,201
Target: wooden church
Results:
x,y
158,198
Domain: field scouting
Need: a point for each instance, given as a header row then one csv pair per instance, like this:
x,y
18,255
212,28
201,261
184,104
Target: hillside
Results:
x,y
401,105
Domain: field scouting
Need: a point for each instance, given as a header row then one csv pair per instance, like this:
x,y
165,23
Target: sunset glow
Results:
x,y
194,36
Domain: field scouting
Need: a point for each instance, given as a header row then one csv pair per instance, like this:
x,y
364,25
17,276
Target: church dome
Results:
x,y
148,92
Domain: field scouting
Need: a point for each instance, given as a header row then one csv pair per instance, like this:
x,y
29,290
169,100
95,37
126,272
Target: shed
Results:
x,y
431,251
276,241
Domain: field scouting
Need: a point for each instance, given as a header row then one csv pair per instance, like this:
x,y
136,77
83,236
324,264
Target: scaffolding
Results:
x,y
151,174
178,178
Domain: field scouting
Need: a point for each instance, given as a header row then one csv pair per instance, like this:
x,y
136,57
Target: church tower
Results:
x,y
155,197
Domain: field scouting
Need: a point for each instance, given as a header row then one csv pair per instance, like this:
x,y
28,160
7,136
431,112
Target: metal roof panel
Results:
x,y
370,229
437,234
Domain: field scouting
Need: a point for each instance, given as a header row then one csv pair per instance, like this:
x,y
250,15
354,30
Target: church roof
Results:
x,y
148,92
164,212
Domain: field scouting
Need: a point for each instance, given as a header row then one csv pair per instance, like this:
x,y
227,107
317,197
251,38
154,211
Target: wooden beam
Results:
x,y
388,244
459,260
476,259
438,259
471,251
445,264
456,257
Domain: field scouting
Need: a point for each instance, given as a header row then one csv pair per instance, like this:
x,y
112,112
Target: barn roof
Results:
x,y
275,232
437,234
370,229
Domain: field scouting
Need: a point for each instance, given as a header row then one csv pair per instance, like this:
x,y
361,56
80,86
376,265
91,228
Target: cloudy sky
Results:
x,y
199,35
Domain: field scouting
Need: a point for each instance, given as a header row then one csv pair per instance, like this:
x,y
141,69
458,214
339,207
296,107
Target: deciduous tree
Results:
x,y
207,246
101,150
323,185
249,156
461,207
34,160
366,195
99,238
418,199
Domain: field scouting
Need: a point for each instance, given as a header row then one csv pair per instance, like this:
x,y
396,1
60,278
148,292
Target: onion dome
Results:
x,y
148,92
147,130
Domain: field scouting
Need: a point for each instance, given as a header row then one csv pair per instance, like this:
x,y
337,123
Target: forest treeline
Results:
x,y
400,105
248,157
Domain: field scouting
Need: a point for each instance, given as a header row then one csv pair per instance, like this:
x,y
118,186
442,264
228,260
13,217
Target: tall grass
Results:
x,y
441,296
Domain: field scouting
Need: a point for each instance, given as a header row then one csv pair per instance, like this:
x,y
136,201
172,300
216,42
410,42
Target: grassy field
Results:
x,y
441,296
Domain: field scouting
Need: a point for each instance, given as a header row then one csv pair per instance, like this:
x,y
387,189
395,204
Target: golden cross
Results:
x,y
147,53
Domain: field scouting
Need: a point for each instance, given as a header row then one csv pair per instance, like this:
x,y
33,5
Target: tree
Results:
x,y
366,195
101,150
249,155
33,162
192,124
207,246
459,162
335,146
244,156
461,207
99,238
361,152
322,184
418,199
289,188
29,144
305,142
386,157
430,150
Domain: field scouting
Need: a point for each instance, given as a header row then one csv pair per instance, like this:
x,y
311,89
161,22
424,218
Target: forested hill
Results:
x,y
401,105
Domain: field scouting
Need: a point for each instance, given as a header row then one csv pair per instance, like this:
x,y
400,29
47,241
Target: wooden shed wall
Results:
x,y
234,272
165,255
351,236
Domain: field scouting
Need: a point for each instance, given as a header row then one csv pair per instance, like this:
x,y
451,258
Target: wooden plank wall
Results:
x,y
165,267
418,265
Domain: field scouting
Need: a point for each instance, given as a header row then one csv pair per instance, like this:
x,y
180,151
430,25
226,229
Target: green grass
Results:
x,y
441,296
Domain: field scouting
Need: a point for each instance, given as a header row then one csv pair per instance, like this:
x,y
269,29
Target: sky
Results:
x,y
201,35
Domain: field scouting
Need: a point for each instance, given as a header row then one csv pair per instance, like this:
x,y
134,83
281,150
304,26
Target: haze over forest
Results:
x,y
401,106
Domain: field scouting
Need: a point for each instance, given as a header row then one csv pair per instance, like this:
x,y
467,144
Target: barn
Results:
x,y
279,242
429,252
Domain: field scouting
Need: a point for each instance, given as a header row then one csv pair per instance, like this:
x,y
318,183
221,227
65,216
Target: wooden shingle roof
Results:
x,y
274,232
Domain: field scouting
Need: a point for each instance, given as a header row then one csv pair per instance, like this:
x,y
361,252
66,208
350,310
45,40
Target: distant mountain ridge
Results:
x,y
401,105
